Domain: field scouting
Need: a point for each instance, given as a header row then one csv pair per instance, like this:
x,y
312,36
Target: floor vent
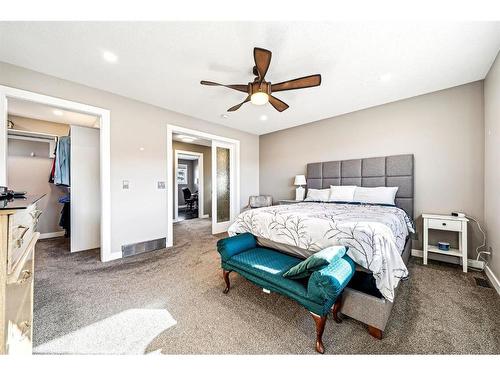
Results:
x,y
482,282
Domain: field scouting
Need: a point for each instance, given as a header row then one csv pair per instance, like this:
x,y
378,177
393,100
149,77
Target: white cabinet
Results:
x,y
446,223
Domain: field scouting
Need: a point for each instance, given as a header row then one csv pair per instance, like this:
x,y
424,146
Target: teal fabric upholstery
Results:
x,y
315,262
265,267
264,264
227,247
327,283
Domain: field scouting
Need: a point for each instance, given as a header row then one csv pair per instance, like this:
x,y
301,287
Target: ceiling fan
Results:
x,y
259,91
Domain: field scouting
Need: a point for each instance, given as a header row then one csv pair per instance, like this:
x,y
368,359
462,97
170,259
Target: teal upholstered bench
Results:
x,y
319,294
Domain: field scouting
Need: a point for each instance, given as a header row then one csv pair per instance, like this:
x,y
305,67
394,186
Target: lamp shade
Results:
x,y
300,180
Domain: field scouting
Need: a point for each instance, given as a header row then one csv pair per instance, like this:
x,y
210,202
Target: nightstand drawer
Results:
x,y
453,225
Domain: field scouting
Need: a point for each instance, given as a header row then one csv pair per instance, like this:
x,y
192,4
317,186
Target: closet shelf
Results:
x,y
31,134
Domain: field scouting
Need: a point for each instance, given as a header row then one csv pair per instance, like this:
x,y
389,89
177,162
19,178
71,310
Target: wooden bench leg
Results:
x,y
225,275
375,332
320,328
336,310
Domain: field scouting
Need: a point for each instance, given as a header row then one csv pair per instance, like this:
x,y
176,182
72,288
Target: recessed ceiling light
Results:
x,y
224,116
109,57
187,138
57,112
263,117
141,148
386,77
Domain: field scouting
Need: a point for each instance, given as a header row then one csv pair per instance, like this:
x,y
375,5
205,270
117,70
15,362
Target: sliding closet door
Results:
x,y
85,189
223,194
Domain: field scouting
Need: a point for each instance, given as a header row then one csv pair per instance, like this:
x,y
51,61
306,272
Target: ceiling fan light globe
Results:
x,y
259,98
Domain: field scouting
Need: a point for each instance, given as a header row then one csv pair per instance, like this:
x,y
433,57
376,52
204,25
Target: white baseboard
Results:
x,y
113,256
204,216
479,264
52,235
493,279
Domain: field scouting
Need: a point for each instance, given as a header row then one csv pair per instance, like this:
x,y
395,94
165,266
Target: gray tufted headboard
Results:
x,y
394,170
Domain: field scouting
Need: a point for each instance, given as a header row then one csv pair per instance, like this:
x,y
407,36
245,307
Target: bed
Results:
x,y
378,236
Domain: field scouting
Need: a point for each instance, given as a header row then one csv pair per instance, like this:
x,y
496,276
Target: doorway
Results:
x,y
9,94
189,184
54,154
225,171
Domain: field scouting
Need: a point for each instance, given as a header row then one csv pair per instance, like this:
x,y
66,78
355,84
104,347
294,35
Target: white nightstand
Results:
x,y
288,201
449,223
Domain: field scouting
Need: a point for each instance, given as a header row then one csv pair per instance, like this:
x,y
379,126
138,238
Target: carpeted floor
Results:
x,y
171,301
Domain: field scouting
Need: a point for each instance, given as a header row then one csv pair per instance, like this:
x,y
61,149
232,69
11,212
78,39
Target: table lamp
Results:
x,y
300,180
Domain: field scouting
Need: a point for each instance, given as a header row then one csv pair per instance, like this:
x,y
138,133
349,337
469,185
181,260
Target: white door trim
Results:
x,y
104,116
200,183
178,129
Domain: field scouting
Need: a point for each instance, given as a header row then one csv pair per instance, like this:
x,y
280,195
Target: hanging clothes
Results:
x,y
65,221
62,162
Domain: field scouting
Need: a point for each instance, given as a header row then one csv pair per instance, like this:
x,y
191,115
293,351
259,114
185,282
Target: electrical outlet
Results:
x,y
161,184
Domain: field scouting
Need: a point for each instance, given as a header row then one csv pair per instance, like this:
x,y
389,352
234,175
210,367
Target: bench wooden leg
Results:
x,y
375,332
320,328
336,310
225,275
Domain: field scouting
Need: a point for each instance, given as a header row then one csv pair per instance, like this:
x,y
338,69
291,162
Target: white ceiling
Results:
x,y
46,113
162,63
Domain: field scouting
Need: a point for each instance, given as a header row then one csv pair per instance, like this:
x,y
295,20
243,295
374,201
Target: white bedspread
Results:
x,y
375,235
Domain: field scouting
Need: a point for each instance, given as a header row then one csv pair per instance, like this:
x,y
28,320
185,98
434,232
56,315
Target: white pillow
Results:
x,y
380,195
318,195
342,193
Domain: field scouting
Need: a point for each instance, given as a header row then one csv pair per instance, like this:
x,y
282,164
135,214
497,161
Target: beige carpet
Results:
x,y
171,301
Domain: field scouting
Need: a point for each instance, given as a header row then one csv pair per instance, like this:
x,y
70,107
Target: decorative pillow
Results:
x,y
342,193
380,195
315,262
317,195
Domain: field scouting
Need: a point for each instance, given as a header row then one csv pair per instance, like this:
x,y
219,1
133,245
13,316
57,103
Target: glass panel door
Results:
x,y
222,186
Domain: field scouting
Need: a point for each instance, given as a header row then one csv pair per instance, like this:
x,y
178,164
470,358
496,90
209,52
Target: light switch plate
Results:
x,y
161,184
125,185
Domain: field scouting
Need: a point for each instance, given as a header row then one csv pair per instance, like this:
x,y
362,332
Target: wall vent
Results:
x,y
143,247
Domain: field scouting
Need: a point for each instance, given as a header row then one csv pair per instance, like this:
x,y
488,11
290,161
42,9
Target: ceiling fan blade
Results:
x,y
237,106
279,105
262,59
297,83
242,88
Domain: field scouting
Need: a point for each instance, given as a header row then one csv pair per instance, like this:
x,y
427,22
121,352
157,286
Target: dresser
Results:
x,y
18,236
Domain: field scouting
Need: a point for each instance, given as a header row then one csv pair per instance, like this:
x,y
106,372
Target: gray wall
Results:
x,y
140,213
491,163
31,174
207,171
444,130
